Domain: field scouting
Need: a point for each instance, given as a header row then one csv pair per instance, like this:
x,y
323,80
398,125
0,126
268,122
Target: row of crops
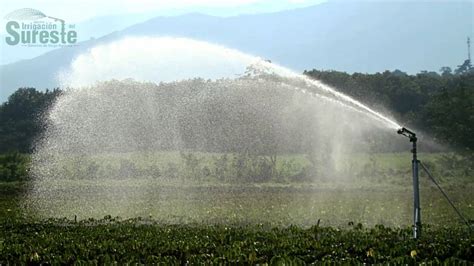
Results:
x,y
142,241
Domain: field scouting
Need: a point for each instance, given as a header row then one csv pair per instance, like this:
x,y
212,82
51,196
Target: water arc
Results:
x,y
146,120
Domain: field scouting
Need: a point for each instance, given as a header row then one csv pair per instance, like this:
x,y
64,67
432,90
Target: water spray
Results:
x,y
108,62
416,189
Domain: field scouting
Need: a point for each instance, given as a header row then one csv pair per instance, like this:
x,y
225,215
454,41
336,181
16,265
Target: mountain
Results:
x,y
348,36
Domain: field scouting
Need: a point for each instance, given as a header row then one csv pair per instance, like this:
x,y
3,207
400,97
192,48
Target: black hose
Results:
x,y
445,195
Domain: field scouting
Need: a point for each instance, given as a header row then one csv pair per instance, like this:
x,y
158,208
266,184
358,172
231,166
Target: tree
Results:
x,y
450,114
20,118
446,71
464,68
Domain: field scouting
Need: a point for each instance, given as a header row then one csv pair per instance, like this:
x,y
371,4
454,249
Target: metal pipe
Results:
x,y
416,194
416,188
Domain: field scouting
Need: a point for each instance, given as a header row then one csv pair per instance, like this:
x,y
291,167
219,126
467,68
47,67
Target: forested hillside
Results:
x,y
440,104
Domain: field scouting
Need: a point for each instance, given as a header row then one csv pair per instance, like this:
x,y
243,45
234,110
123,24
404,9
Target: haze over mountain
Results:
x,y
89,29
353,37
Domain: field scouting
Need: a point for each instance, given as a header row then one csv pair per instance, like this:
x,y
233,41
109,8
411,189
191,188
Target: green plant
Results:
x,y
131,241
14,167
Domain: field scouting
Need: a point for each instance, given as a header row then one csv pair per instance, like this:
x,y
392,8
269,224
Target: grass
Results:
x,y
275,204
375,189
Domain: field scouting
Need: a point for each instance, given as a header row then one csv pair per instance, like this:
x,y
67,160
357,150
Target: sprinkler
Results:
x,y
416,189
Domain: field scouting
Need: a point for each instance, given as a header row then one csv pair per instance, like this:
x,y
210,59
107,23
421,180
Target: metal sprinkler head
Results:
x,y
407,133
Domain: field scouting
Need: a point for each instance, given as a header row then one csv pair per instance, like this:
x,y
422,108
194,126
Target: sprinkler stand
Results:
x,y
416,189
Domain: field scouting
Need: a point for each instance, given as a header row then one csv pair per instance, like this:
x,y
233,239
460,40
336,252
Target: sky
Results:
x,y
81,10
119,14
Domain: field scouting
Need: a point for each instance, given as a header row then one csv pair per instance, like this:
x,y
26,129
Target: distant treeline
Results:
x,y
440,104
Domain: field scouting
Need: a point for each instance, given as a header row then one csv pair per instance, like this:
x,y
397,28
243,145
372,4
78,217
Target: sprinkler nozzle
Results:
x,y
407,133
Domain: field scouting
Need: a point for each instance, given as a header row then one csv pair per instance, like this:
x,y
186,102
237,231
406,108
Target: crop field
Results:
x,y
108,241
364,218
